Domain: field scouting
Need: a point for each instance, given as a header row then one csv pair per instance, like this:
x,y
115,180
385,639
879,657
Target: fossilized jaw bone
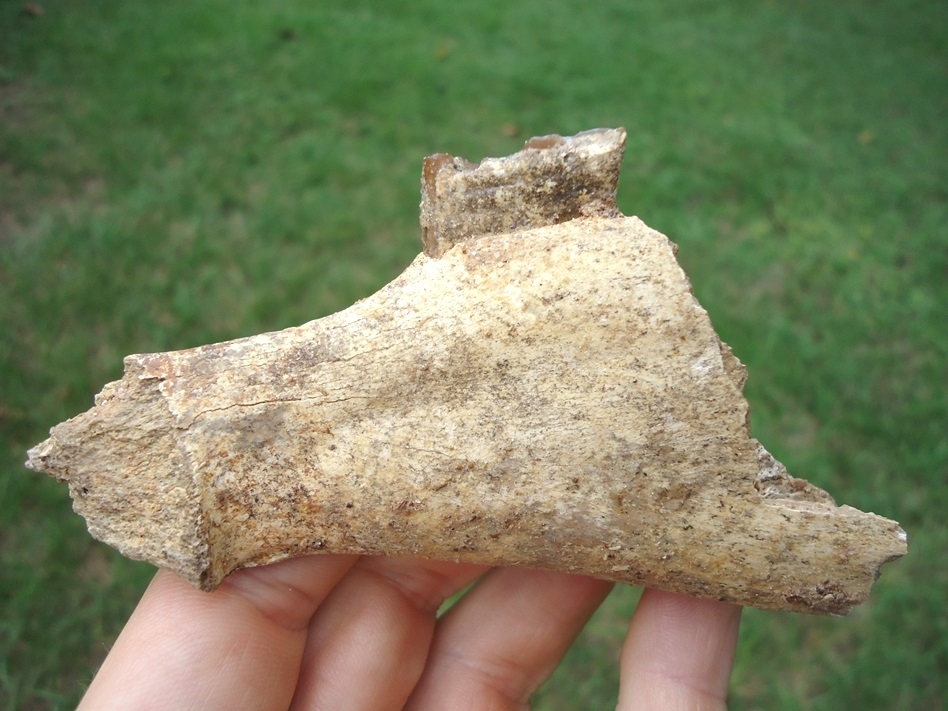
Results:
x,y
552,397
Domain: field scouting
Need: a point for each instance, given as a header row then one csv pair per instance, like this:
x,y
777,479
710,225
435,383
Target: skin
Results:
x,y
363,634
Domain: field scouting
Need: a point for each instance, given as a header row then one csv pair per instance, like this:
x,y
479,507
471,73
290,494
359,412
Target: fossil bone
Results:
x,y
539,388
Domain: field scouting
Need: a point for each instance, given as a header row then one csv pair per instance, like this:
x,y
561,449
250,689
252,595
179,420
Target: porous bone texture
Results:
x,y
552,397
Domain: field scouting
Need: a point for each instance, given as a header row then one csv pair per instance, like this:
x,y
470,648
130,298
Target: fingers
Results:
x,y
368,643
236,648
678,653
372,643
504,638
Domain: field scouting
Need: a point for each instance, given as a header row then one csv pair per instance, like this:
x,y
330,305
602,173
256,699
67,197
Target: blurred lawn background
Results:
x,y
177,173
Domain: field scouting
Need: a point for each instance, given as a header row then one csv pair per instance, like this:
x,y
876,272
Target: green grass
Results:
x,y
178,173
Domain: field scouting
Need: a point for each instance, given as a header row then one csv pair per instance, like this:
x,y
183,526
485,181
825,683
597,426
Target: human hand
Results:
x,y
344,632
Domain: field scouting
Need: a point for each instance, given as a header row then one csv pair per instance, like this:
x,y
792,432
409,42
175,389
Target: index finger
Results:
x,y
238,647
